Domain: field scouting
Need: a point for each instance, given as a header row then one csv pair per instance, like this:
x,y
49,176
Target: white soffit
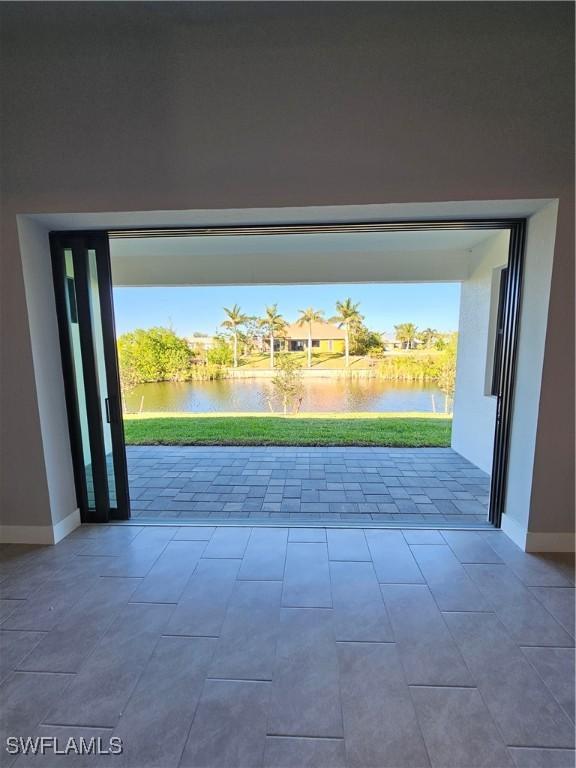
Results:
x,y
357,257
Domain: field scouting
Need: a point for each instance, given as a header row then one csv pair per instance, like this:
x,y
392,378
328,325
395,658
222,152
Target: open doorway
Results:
x,y
455,482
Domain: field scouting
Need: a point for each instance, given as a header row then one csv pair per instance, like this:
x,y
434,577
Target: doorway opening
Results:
x,y
335,484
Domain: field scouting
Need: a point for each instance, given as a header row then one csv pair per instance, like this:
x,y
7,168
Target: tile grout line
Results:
x,y
77,725
263,681
298,736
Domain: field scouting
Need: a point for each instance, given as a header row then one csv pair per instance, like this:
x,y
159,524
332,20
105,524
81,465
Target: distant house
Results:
x,y
201,343
326,337
389,344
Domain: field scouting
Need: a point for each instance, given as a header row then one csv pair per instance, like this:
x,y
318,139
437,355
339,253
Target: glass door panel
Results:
x,y
98,338
78,375
83,290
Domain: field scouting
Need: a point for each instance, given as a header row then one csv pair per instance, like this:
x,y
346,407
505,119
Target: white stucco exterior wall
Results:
x,y
474,409
529,516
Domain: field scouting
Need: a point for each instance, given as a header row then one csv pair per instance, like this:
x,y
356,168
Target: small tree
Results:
x,y
363,341
287,383
251,336
445,340
220,353
128,377
428,337
446,379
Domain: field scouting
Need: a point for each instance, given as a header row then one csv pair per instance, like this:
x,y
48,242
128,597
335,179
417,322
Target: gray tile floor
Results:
x,y
385,485
240,647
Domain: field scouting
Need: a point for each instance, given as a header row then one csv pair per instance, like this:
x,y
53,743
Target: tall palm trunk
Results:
x,y
271,350
347,345
235,350
310,345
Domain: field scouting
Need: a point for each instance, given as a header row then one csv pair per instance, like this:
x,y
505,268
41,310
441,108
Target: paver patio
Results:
x,y
385,485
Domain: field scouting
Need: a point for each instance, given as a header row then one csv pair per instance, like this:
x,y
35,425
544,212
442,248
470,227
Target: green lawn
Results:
x,y
337,360
394,430
320,360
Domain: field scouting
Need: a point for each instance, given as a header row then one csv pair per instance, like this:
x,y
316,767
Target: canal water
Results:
x,y
319,395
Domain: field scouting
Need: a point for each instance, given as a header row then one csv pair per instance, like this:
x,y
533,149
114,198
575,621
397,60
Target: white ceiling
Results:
x,y
435,256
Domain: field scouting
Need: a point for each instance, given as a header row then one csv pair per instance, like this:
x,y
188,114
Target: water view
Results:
x,y
290,374
318,395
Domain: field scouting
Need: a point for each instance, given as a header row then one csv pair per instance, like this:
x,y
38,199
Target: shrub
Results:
x,y
221,353
363,341
154,354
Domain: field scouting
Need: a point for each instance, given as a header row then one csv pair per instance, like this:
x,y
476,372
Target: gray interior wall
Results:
x,y
552,490
55,466
212,105
24,497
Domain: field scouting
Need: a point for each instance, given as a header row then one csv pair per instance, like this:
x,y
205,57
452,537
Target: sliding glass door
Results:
x,y
83,288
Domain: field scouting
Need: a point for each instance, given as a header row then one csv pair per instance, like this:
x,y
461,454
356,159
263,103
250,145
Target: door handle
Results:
x,y
107,404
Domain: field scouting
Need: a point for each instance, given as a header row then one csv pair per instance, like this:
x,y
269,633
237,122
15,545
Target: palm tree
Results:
x,y
428,337
307,317
235,319
273,323
347,317
406,333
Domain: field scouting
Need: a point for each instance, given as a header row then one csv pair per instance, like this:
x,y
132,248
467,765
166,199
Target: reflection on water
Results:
x,y
344,395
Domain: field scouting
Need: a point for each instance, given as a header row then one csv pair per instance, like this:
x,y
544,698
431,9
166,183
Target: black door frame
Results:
x,y
503,387
79,244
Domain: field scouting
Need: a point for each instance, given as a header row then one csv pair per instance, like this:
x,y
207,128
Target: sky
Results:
x,y
199,309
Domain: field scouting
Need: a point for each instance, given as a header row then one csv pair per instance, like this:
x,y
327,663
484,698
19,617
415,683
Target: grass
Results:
x,y
397,430
320,360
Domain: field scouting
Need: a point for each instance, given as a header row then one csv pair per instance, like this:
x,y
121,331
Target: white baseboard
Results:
x,y
514,531
66,526
39,534
537,542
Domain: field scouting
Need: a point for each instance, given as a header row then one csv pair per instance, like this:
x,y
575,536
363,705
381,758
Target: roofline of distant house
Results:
x,y
321,329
